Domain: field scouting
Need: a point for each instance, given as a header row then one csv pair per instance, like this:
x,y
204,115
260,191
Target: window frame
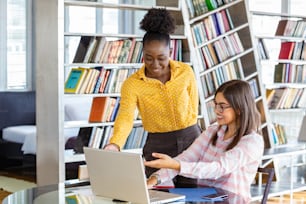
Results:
x,y
29,68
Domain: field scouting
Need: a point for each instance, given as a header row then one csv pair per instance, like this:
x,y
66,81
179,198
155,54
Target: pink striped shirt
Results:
x,y
232,170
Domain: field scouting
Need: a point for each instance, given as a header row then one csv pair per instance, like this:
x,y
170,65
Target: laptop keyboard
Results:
x,y
154,195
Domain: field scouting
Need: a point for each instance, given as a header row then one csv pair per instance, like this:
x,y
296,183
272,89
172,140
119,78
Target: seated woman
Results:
x,y
227,154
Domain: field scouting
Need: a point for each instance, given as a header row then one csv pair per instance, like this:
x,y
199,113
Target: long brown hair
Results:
x,y
239,95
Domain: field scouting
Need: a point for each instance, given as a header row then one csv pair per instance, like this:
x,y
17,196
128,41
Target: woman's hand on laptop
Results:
x,y
112,147
163,161
151,182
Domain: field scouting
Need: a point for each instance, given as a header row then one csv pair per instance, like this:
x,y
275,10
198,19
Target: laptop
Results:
x,y
121,176
302,132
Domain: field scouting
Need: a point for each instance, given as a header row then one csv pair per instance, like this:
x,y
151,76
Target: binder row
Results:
x,y
96,80
279,134
286,98
211,27
199,7
220,50
99,136
97,49
290,73
293,50
212,80
291,28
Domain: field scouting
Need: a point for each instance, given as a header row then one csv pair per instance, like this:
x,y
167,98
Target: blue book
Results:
x,y
195,194
115,111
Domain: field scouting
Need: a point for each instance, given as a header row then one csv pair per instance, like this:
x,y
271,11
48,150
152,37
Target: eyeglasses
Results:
x,y
220,107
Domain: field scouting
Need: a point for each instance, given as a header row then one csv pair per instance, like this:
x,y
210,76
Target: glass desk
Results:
x,y
54,194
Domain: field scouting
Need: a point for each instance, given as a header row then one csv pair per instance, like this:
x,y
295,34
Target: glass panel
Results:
x,y
16,44
298,7
266,6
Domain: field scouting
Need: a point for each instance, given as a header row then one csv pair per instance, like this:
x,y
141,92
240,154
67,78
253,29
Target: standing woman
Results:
x,y
165,93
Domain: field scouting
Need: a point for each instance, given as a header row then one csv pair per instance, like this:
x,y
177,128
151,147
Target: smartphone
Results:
x,y
215,196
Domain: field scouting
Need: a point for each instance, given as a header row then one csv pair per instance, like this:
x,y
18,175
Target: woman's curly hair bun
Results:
x,y
158,20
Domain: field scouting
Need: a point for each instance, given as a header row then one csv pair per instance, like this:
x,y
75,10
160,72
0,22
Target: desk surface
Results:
x,y
285,150
59,194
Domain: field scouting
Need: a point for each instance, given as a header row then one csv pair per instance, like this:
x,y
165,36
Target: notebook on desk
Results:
x,y
120,175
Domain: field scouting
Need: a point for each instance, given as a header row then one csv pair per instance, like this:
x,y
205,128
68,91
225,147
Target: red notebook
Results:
x,y
286,50
98,109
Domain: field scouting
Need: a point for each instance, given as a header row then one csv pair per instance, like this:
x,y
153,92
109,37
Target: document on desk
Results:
x,y
83,194
197,194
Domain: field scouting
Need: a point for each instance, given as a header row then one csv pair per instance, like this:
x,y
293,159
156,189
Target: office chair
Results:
x,y
270,173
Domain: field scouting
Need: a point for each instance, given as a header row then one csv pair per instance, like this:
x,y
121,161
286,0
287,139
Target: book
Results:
x,y
262,49
136,51
98,109
286,27
191,9
225,21
82,139
74,80
280,30
229,18
99,49
282,100
115,111
211,4
297,98
96,78
274,135
117,51
303,54
132,47
290,28
110,109
125,51
86,80
110,81
90,50
302,101
300,29
98,137
92,80
278,93
269,96
297,51
83,172
104,81
82,49
286,50
99,80
105,52
278,73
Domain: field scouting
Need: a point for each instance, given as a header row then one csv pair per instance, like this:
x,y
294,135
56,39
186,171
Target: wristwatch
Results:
x,y
156,176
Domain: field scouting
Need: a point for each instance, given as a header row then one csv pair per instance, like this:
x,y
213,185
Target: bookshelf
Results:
x,y
88,55
223,50
281,53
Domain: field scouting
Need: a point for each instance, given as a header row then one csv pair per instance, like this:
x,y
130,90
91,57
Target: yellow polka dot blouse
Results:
x,y
162,107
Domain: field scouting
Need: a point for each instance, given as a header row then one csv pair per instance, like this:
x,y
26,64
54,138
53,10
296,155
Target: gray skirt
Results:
x,y
172,144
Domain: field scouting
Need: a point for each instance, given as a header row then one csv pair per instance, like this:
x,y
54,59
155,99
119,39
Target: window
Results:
x,y
15,45
93,20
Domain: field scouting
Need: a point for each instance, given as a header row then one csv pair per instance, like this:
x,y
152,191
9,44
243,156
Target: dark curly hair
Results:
x,y
158,24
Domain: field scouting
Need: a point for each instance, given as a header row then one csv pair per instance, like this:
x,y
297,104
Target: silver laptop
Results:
x,y
120,175
302,132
